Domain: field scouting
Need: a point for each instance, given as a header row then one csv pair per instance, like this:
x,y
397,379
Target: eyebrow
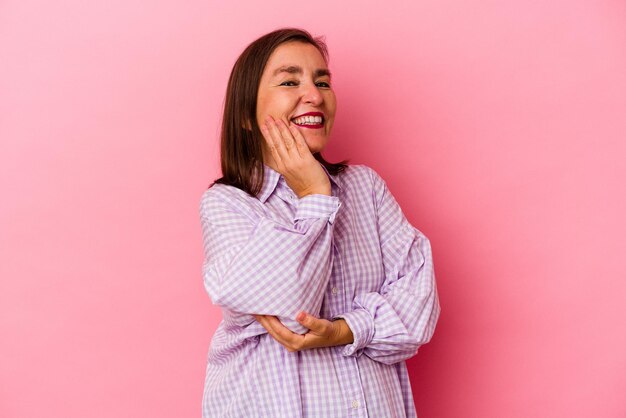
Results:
x,y
296,69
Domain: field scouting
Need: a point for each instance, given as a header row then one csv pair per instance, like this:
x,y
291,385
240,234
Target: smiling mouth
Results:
x,y
311,122
310,126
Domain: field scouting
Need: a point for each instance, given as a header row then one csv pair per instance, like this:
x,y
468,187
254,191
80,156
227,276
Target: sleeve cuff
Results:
x,y
361,324
317,206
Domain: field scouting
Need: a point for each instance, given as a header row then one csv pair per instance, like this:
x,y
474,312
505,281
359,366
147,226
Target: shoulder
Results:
x,y
358,172
221,198
364,176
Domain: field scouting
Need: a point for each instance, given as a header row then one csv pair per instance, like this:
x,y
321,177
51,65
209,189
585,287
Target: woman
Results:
x,y
325,287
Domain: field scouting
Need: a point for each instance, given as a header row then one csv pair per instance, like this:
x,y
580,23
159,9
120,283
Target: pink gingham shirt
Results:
x,y
351,255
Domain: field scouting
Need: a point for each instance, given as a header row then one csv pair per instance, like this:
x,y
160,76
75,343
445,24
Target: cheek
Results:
x,y
278,106
331,105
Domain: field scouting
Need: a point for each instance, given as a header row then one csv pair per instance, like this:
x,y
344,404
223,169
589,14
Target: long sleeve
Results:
x,y
257,265
390,325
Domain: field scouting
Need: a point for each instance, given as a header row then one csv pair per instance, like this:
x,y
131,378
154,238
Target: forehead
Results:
x,y
299,54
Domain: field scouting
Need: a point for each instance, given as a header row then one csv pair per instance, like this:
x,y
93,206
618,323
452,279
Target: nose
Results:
x,y
312,95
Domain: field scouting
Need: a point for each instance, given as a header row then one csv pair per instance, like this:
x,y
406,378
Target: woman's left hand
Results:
x,y
323,333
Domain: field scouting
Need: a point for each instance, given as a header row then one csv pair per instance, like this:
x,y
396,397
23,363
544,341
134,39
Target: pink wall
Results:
x,y
499,126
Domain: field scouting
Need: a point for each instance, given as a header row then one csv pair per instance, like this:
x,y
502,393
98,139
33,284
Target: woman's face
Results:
x,y
296,81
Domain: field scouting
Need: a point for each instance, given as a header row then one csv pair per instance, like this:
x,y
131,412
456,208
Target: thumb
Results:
x,y
311,322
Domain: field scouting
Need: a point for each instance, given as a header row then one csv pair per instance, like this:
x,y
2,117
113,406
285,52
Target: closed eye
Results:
x,y
324,84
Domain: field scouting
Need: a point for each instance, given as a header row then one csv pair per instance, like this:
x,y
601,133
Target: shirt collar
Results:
x,y
272,177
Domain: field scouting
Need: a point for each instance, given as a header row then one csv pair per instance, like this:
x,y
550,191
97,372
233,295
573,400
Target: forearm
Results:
x,y
258,265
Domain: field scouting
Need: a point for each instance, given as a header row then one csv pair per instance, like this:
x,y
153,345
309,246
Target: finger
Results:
x,y
289,140
286,336
260,319
271,143
301,145
278,143
291,340
263,319
319,326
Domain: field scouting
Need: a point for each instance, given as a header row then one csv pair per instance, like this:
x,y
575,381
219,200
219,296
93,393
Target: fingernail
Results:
x,y
301,316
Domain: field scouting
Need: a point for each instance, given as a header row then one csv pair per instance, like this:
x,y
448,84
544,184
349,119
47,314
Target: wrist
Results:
x,y
344,334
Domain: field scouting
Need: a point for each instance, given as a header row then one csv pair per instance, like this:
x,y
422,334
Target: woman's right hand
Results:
x,y
302,172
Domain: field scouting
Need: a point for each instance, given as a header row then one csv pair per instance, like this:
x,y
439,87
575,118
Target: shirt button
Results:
x,y
355,404
335,290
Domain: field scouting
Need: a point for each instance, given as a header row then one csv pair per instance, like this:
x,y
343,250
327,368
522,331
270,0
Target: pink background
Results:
x,y
499,126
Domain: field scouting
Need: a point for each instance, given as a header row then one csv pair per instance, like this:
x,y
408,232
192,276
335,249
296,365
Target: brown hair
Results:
x,y
241,150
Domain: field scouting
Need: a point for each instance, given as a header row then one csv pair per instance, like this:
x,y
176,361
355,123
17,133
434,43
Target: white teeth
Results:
x,y
308,120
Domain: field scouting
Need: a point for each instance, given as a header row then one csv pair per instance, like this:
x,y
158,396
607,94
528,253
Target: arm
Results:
x,y
389,326
256,265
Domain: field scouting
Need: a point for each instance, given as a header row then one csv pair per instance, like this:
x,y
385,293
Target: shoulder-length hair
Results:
x,y
241,150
